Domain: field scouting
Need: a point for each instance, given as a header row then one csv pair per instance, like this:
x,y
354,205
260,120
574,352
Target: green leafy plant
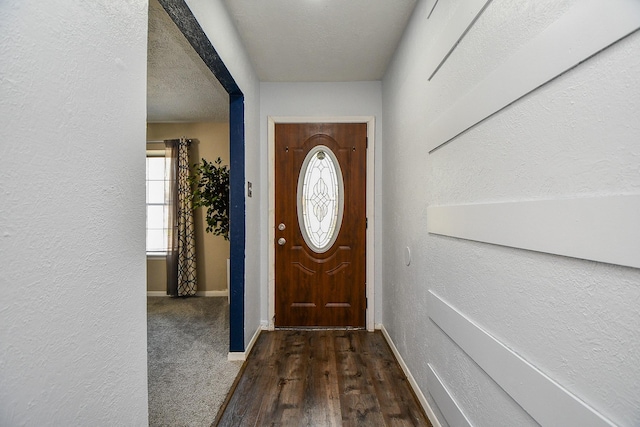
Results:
x,y
210,184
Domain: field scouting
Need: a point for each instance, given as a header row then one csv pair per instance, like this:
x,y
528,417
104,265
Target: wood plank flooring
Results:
x,y
321,378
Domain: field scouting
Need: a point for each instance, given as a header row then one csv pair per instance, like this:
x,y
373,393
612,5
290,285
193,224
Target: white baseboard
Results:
x,y
224,293
242,355
412,381
157,294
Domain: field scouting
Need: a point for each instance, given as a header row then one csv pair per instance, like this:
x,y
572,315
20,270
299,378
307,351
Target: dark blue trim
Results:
x,y
189,26
237,220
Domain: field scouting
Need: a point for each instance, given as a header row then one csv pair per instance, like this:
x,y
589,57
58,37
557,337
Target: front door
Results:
x,y
320,220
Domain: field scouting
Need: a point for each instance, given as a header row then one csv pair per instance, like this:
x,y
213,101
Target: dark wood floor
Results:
x,y
322,378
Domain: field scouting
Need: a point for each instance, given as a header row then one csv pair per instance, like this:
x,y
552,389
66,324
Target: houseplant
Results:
x,y
210,184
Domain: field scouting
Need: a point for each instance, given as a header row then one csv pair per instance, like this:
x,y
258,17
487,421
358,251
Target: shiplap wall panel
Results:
x,y
432,8
605,229
584,30
445,400
543,398
456,28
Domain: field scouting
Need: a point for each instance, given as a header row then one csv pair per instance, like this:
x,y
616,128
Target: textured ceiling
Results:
x,y
320,40
287,41
180,87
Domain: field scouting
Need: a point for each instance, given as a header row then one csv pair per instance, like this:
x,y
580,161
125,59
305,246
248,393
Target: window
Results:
x,y
157,202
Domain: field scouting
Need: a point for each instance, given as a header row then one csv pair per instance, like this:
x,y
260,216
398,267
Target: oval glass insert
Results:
x,y
320,198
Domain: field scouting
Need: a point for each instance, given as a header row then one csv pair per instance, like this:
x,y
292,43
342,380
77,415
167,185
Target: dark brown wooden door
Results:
x,y
320,275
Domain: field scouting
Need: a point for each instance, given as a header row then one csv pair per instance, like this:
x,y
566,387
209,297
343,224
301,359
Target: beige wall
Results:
x,y
210,141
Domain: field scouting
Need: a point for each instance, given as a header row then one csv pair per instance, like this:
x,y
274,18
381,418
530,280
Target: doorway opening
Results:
x,y
186,22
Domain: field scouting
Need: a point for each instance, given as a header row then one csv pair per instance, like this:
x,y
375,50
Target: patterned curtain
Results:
x,y
181,254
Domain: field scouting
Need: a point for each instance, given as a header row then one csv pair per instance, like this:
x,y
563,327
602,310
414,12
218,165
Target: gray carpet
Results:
x,y
187,345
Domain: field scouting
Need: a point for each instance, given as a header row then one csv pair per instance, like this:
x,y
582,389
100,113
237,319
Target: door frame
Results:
x,y
181,15
370,209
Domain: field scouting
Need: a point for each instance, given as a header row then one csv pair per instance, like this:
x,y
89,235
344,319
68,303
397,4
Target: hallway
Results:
x,y
322,378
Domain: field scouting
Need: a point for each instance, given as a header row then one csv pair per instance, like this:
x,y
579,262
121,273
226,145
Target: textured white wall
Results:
x,y
219,28
577,136
73,346
320,100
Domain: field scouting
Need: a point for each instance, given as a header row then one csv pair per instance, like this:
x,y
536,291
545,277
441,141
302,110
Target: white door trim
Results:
x,y
370,271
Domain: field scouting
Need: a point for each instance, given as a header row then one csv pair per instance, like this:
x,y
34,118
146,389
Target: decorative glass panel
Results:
x,y
320,198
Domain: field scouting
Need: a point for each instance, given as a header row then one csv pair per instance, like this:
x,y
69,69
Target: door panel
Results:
x,y
320,286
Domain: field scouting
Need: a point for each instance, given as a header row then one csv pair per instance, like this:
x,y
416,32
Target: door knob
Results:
x,y
282,241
